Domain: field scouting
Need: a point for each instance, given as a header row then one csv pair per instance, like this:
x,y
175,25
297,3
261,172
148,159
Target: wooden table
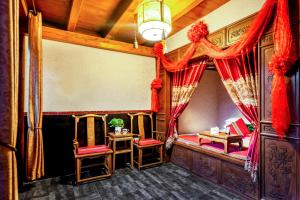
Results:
x,y
114,138
221,137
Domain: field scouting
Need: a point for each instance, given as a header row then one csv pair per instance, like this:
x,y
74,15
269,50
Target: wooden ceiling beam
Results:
x,y
74,14
183,7
24,6
123,19
94,41
117,13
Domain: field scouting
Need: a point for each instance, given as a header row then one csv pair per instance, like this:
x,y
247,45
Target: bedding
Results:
x,y
234,151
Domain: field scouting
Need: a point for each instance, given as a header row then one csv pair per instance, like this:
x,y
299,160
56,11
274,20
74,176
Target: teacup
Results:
x,y
124,130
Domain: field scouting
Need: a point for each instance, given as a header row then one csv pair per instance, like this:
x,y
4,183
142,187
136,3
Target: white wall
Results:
x,y
79,78
226,108
202,111
231,12
210,106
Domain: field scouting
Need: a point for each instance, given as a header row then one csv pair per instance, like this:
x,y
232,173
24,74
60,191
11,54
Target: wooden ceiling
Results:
x,y
112,19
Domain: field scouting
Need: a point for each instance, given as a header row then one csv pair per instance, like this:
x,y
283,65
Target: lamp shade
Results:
x,y
151,24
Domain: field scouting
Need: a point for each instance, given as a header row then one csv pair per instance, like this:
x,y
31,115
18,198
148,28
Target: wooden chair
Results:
x,y
142,143
91,150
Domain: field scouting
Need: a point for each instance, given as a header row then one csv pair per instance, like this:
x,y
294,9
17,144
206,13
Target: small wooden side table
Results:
x,y
221,137
114,138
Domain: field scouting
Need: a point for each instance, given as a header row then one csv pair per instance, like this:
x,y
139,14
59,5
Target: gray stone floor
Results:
x,y
164,182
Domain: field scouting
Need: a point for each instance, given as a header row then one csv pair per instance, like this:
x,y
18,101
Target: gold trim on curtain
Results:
x,y
35,149
9,73
243,90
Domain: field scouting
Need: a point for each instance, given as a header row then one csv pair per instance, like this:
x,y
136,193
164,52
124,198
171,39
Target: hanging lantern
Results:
x,y
154,20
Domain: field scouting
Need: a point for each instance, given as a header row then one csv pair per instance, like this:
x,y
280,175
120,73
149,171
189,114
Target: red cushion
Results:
x,y
239,128
145,142
93,149
192,139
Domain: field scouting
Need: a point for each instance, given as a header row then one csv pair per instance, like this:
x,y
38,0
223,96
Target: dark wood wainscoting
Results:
x,y
58,133
218,168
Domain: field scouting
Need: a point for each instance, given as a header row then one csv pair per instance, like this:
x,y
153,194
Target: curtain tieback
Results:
x,y
173,118
9,146
33,128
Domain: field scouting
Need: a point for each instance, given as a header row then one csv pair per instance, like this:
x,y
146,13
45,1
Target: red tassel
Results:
x,y
280,108
155,85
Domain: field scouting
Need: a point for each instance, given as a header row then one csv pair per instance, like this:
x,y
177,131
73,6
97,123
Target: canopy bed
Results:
x,y
263,52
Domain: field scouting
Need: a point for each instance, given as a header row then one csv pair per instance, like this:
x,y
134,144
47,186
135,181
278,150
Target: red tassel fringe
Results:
x,y
155,85
280,108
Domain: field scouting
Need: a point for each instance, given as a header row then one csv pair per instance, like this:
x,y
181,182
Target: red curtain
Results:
x,y
240,78
184,85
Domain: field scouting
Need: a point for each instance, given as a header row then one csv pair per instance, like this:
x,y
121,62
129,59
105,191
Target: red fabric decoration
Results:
x,y
156,83
278,65
170,66
283,58
247,42
197,32
158,49
155,86
280,107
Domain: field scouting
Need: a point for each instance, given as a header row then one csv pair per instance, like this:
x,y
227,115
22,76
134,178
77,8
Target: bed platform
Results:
x,y
210,162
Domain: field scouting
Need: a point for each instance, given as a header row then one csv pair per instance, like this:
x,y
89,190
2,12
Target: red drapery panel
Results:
x,y
239,76
184,85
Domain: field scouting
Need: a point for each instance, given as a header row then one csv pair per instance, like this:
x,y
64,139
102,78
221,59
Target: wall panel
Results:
x,y
79,78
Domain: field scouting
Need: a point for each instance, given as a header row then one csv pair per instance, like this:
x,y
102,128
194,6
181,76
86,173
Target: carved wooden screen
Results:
x,y
279,166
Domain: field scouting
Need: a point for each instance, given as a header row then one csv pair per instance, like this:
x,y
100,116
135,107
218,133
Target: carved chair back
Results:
x,y
90,128
141,125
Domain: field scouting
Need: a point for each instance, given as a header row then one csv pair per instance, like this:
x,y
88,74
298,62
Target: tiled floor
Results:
x,y
165,182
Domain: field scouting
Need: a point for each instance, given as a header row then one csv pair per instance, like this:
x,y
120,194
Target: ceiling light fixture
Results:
x,y
153,20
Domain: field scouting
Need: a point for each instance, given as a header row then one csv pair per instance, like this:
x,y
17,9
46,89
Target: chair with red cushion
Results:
x,y
143,142
91,150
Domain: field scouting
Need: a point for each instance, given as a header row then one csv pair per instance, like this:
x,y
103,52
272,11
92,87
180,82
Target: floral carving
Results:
x,y
279,164
240,182
205,166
